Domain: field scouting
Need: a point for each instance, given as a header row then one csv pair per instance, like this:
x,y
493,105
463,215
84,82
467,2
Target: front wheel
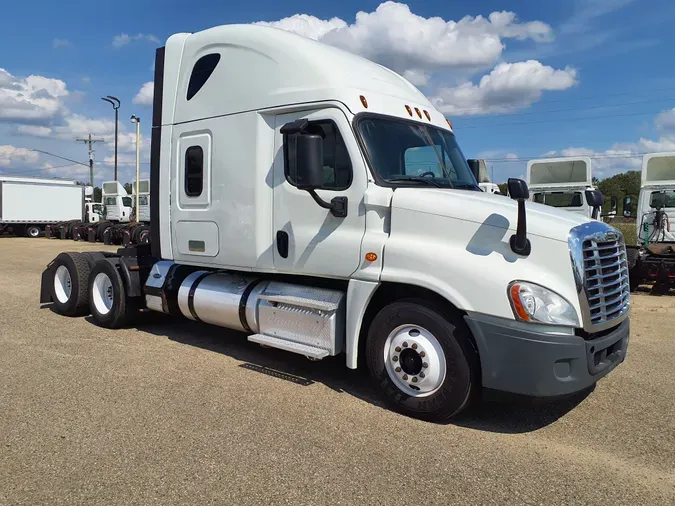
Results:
x,y
421,360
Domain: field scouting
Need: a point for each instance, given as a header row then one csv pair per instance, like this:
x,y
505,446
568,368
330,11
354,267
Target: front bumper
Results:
x,y
522,359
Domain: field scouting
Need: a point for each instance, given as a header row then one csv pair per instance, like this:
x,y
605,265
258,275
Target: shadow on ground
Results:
x,y
500,414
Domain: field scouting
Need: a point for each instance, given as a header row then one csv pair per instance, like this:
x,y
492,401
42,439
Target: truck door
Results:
x,y
307,238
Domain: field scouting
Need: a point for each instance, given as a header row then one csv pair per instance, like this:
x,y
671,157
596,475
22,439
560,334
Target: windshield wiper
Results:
x,y
466,186
417,179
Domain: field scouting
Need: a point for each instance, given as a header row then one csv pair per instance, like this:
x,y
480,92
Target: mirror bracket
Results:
x,y
337,206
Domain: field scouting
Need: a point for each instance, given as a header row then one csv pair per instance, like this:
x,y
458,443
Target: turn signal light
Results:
x,y
371,257
364,101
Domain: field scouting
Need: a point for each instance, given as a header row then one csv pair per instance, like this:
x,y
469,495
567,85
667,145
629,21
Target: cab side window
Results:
x,y
337,166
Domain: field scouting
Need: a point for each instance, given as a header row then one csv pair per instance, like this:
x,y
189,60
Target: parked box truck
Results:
x,y
27,205
288,203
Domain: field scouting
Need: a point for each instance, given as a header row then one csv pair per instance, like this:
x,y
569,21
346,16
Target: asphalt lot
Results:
x,y
180,413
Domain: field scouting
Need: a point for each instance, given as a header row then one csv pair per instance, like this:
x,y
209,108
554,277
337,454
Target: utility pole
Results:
x,y
90,141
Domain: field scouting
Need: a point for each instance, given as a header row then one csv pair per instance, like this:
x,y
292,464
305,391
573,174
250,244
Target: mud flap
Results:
x,y
46,285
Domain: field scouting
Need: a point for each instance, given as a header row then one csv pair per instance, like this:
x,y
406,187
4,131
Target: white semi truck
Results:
x,y
28,205
565,183
288,204
653,258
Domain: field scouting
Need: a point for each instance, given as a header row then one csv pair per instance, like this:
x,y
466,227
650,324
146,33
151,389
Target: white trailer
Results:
x,y
565,183
27,205
293,200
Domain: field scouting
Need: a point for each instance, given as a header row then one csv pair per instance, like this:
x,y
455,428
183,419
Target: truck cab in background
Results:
x,y
652,259
321,204
564,183
117,203
143,197
479,170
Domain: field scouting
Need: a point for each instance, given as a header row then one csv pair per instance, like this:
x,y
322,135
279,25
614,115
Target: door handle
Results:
x,y
282,243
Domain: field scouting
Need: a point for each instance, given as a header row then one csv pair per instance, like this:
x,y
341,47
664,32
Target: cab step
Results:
x,y
286,345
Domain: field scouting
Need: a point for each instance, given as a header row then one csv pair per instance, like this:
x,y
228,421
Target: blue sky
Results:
x,y
519,79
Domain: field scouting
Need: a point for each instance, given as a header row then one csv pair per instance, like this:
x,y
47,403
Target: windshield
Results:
x,y
405,153
109,201
126,201
97,208
143,200
664,198
559,199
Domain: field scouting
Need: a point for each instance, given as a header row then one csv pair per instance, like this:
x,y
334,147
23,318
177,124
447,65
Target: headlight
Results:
x,y
534,303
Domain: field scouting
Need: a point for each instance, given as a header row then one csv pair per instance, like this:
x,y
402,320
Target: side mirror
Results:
x,y
518,189
614,204
595,200
627,206
309,161
658,200
519,242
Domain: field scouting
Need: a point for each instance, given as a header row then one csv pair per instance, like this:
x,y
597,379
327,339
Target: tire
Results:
x,y
32,231
109,305
633,258
69,290
442,347
93,257
144,236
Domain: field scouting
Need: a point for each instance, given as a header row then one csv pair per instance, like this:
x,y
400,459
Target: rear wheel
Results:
x,y
421,360
70,274
109,305
32,231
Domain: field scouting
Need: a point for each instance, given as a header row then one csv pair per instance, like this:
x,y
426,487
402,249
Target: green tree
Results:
x,y
128,187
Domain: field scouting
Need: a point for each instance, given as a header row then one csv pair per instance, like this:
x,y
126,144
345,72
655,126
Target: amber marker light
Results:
x,y
371,257
407,108
364,101
518,304
449,122
418,112
426,113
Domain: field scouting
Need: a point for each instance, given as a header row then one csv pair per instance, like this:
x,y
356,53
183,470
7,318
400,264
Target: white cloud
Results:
x,y
31,99
509,86
665,121
145,94
57,43
395,37
34,130
11,156
86,79
124,38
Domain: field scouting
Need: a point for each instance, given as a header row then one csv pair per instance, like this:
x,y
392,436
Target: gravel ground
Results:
x,y
180,413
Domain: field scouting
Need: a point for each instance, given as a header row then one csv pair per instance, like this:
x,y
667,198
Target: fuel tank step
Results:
x,y
284,344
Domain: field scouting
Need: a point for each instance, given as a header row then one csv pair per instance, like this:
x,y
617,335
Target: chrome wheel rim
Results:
x,y
63,285
102,293
414,360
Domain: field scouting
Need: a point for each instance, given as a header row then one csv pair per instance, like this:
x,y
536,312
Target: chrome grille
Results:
x,y
606,279
601,271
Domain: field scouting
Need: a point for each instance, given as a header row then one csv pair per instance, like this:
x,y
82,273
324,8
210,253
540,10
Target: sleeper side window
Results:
x,y
337,166
194,171
201,72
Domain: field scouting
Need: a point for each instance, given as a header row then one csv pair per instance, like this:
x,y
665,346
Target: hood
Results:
x,y
485,208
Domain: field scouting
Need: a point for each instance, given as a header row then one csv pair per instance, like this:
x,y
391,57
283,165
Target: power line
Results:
x,y
562,119
487,116
588,97
592,157
61,157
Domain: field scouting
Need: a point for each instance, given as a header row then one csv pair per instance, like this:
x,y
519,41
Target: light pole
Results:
x,y
115,102
137,120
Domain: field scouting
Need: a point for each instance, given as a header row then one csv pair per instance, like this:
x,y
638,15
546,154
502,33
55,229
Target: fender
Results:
x,y
359,295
